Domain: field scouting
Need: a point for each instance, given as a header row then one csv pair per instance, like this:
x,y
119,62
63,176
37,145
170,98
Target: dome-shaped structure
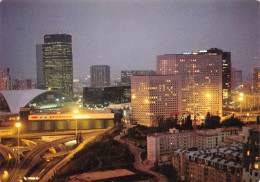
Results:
x,y
13,100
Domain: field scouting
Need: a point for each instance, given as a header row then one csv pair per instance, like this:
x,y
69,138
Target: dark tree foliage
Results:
x,y
168,171
118,117
212,122
163,125
187,123
232,121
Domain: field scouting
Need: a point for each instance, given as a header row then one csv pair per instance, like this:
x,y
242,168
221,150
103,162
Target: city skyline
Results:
x,y
128,34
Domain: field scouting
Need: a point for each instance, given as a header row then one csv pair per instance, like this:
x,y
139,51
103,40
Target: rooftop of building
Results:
x,y
172,132
70,111
203,155
21,98
214,132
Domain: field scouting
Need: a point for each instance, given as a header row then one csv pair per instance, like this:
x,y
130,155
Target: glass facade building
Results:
x,y
57,63
100,75
127,74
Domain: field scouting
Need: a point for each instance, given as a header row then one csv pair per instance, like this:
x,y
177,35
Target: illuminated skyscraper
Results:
x,y
100,75
5,79
256,79
201,80
153,96
57,63
226,72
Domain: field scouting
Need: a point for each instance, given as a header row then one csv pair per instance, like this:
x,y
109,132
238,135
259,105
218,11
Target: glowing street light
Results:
x,y
76,112
240,99
18,125
208,96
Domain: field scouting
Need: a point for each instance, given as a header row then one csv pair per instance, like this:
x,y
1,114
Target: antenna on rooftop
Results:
x,y
60,30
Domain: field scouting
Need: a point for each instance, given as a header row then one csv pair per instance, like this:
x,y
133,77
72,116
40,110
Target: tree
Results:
x,y
212,122
157,121
188,123
168,171
232,121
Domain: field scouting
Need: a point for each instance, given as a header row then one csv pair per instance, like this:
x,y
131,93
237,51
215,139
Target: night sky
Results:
x,y
128,34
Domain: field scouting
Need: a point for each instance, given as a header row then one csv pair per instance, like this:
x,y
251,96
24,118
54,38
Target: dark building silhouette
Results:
x,y
39,66
251,152
102,97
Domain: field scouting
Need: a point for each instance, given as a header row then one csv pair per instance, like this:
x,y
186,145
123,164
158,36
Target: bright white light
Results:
x,y
18,125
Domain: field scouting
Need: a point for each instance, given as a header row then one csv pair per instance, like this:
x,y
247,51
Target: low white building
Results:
x,y
160,146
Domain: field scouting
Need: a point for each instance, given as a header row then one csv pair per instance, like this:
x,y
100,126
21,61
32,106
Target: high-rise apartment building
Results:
x,y
39,66
256,79
153,96
57,63
238,79
100,75
126,75
201,80
5,79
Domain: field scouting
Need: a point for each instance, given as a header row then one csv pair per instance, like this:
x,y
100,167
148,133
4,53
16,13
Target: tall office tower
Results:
x,y
238,79
256,79
126,75
201,79
153,96
100,75
233,79
39,66
5,79
226,71
57,63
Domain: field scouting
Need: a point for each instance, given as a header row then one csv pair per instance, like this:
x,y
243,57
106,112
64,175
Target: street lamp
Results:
x,y
208,96
76,112
18,125
240,100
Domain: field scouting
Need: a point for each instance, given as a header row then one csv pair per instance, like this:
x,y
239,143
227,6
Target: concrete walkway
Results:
x,y
138,161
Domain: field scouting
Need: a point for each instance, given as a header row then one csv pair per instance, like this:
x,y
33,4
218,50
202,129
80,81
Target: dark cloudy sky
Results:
x,y
128,34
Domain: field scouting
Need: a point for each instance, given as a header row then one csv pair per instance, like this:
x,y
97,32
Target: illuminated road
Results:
x,y
33,163
10,161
